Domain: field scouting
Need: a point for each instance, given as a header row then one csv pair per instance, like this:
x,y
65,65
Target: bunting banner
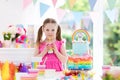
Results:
x,y
60,14
111,3
71,23
54,2
92,4
43,8
34,2
86,21
71,3
77,16
26,3
111,14
94,16
69,19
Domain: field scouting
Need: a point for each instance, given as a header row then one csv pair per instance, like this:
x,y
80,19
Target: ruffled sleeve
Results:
x,y
59,44
41,47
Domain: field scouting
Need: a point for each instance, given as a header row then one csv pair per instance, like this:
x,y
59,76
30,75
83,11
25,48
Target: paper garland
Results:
x,y
26,3
111,3
92,3
71,3
77,16
112,15
60,13
43,8
34,2
54,2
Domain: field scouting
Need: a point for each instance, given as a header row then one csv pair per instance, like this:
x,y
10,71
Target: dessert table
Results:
x,y
26,76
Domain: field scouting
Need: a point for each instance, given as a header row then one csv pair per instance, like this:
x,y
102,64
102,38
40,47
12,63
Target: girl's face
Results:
x,y
50,30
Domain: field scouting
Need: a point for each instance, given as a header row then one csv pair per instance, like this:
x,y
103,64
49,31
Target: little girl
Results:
x,y
51,49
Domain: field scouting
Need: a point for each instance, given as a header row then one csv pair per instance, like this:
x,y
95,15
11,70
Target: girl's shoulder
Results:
x,y
59,42
42,44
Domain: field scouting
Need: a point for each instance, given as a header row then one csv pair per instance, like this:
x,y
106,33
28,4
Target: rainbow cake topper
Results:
x,y
80,33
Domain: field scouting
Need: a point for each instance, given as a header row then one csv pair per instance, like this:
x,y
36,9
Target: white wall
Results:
x,y
12,12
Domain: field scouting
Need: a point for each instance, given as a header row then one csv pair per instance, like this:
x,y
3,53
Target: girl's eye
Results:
x,y
53,30
47,29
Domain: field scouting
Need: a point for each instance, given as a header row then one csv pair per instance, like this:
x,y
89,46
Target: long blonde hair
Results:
x,y
40,33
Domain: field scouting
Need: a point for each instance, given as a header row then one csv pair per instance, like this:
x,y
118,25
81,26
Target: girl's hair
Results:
x,y
40,33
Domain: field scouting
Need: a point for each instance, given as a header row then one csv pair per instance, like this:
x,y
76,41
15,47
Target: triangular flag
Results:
x,y
111,15
94,16
34,2
85,21
71,23
71,3
43,8
111,3
26,3
68,17
54,2
60,14
92,3
77,16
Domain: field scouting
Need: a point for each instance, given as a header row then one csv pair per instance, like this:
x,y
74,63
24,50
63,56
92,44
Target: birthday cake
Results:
x,y
81,58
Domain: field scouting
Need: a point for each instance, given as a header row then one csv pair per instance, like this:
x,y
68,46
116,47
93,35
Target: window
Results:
x,y
112,32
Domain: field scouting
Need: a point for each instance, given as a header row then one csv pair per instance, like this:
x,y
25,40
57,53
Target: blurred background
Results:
x,y
71,15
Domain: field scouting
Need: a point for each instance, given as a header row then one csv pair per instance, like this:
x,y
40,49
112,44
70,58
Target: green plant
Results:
x,y
108,76
79,5
112,43
68,41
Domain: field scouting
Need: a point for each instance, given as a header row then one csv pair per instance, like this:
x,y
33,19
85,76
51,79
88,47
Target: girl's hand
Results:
x,y
49,46
54,47
46,49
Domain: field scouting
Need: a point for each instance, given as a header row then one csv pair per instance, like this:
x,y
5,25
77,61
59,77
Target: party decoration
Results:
x,y
35,61
22,68
60,13
26,3
77,16
22,40
43,8
85,21
0,68
54,2
81,58
94,16
92,3
12,71
5,75
111,14
71,3
111,3
34,2
81,31
30,35
71,23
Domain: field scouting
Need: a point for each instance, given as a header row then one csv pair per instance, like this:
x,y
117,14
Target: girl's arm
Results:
x,y
40,54
62,56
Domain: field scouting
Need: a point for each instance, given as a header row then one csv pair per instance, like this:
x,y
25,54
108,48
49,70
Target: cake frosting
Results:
x,y
81,58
